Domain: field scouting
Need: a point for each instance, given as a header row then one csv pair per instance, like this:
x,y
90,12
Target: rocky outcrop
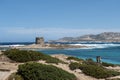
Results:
x,y
104,37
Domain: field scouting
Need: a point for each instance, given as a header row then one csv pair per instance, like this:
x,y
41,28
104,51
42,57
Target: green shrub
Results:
x,y
15,77
50,59
74,58
53,60
74,66
90,61
25,56
97,71
94,70
36,71
108,64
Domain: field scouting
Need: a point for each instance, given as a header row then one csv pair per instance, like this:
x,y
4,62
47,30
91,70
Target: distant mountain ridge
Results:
x,y
103,37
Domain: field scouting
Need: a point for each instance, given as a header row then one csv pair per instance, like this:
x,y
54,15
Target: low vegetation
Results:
x,y
97,71
74,65
108,64
91,68
15,76
74,58
25,56
89,61
37,71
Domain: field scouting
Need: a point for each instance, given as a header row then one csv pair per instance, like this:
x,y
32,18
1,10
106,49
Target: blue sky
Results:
x,y
23,20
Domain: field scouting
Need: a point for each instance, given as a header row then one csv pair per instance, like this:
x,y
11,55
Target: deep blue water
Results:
x,y
109,52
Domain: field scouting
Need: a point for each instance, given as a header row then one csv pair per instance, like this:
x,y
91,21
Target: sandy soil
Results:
x,y
78,73
11,67
4,75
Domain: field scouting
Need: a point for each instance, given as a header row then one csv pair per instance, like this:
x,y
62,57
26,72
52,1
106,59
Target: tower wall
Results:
x,y
40,40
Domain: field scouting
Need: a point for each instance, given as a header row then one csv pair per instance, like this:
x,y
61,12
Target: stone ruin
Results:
x,y
40,41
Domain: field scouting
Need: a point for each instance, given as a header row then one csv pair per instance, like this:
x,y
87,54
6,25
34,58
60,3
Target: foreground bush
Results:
x,y
74,66
74,58
96,71
108,64
15,77
90,61
36,71
25,56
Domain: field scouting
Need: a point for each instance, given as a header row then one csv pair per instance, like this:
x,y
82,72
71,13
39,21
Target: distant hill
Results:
x,y
103,37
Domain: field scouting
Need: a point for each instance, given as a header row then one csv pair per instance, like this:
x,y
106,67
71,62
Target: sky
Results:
x,y
23,20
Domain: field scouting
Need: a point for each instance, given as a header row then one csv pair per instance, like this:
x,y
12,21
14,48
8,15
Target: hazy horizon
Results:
x,y
22,21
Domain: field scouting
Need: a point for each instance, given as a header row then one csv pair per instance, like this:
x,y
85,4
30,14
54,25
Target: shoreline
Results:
x,y
81,76
49,46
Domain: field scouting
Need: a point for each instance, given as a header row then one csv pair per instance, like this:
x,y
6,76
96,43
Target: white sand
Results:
x,y
4,75
12,67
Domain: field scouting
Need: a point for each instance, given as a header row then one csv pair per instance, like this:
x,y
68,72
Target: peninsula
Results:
x,y
40,44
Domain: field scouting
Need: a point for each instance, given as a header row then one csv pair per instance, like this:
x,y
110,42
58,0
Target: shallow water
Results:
x,y
109,54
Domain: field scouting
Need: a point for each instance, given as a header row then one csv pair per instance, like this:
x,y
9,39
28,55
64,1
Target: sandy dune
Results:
x,y
4,75
78,73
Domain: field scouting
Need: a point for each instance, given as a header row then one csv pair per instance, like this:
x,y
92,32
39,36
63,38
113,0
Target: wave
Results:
x,y
93,46
14,45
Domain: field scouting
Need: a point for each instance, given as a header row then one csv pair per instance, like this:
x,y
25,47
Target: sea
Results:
x,y
109,52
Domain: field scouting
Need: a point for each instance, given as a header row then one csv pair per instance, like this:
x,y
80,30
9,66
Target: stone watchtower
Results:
x,y
40,40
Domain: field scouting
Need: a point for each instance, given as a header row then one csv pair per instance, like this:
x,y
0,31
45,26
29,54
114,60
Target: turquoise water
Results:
x,y
109,54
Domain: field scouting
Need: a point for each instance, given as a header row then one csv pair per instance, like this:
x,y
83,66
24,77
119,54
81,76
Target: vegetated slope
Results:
x,y
25,56
97,70
37,71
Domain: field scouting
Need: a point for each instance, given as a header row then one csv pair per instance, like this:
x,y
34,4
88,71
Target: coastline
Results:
x,y
78,73
81,51
49,46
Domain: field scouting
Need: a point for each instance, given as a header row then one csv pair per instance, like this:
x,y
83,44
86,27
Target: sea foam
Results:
x,y
92,46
